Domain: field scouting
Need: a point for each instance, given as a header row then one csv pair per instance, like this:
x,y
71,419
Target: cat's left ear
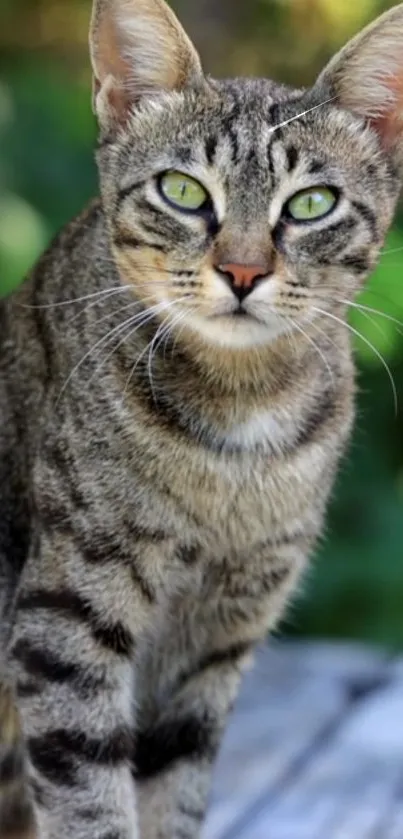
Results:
x,y
138,48
366,77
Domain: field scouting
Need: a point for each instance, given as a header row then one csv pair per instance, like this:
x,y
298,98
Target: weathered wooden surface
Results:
x,y
314,749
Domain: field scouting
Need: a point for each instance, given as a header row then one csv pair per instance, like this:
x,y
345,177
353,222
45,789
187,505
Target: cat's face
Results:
x,y
243,227
243,210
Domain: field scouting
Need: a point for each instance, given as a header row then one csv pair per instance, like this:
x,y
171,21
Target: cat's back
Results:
x,y
66,271
28,330
64,276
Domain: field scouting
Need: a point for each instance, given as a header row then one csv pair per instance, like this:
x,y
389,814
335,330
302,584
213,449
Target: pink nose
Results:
x,y
243,277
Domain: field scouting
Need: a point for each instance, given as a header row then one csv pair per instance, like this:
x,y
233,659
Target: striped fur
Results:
x,y
166,456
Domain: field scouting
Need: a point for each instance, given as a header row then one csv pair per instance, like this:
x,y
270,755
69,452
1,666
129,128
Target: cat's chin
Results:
x,y
233,331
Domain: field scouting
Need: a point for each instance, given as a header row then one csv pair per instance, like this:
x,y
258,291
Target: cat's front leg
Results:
x,y
174,754
72,651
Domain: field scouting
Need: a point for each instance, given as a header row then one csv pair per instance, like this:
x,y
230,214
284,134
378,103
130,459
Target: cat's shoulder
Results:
x,y
83,231
65,269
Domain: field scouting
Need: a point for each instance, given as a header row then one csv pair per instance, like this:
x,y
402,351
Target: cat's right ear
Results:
x,y
366,77
138,48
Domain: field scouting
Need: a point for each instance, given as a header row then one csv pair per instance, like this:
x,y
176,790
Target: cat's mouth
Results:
x,y
237,326
236,312
240,312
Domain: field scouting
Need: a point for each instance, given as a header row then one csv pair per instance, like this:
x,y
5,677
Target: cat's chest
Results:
x,y
266,428
224,493
229,502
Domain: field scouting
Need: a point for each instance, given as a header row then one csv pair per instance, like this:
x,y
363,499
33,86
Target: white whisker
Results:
x,y
135,300
153,345
142,318
124,308
392,250
302,114
163,332
313,343
179,318
90,306
179,331
325,335
100,342
373,323
166,306
365,309
168,330
368,343
103,293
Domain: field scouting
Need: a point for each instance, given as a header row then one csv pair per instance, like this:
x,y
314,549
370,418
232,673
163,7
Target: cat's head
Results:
x,y
240,210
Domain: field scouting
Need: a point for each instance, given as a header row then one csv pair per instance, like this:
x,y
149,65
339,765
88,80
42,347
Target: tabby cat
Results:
x,y
176,390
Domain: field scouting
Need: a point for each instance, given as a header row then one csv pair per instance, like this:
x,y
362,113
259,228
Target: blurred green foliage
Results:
x,y
47,173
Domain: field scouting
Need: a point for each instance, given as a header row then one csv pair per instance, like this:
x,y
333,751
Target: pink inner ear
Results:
x,y
112,63
110,58
389,125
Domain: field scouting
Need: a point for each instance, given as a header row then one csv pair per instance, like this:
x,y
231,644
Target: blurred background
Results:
x,y
47,173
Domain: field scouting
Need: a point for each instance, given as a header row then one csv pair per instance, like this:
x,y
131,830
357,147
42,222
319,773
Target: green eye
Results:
x,y
183,191
311,204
